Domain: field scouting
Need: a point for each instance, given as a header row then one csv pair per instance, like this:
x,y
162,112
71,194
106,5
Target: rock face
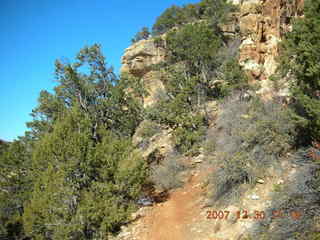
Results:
x,y
262,25
138,60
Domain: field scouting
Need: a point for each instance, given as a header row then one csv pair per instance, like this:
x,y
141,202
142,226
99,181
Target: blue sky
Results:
x,y
36,32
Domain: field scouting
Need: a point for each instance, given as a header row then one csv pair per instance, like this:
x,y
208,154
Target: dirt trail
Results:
x,y
183,216
170,220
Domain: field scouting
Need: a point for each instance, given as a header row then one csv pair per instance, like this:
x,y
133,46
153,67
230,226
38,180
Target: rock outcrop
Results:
x,y
139,60
262,25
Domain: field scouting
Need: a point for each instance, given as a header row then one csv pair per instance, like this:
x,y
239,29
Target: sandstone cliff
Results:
x,y
262,26
138,60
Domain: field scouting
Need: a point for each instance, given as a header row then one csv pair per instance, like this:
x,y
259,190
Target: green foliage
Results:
x,y
143,34
89,83
15,187
75,175
48,215
189,80
188,137
83,189
301,60
214,11
197,44
159,42
147,129
207,59
170,18
133,87
179,110
234,78
3,146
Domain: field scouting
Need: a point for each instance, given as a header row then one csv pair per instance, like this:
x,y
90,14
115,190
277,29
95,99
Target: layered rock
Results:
x,y
139,60
262,26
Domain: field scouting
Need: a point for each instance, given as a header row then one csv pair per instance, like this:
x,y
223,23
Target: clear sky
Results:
x,y
36,32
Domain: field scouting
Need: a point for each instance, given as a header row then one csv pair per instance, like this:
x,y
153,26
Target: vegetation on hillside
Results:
x,y
76,173
215,11
68,177
250,137
143,34
301,64
190,78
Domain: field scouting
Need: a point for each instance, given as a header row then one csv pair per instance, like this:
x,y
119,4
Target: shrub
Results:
x,y
202,44
209,146
216,11
250,136
234,78
300,194
143,34
177,109
170,18
82,190
165,176
159,42
147,129
187,140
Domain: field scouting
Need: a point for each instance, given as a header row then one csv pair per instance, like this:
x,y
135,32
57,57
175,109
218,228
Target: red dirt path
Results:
x,y
170,220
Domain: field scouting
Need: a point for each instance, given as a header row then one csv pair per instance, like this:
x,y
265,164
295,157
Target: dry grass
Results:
x,y
249,137
166,175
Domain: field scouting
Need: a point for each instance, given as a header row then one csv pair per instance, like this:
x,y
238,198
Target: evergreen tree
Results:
x,y
83,189
215,12
143,34
89,83
15,187
301,60
82,158
171,17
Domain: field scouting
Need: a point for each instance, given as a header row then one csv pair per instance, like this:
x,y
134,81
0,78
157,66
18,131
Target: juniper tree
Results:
x,y
301,60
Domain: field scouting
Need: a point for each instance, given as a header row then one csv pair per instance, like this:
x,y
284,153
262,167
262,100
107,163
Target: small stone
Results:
x,y
261,181
199,160
268,203
245,116
197,185
280,181
254,197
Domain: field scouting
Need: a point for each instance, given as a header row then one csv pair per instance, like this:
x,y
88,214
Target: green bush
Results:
x,y
300,61
188,137
143,34
15,187
188,127
196,44
216,11
170,18
147,129
234,78
82,190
